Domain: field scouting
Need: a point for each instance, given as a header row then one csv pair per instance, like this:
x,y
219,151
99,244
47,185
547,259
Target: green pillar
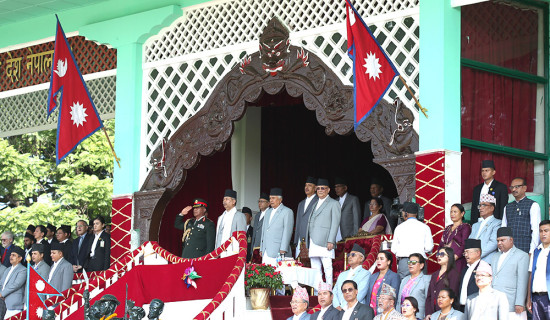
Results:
x,y
440,75
127,34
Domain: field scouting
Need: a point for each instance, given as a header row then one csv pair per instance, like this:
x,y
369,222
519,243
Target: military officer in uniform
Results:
x,y
199,234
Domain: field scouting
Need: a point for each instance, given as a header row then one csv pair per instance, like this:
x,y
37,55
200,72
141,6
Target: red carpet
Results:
x,y
280,306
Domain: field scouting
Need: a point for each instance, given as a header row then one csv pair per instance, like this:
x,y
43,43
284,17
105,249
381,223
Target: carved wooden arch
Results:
x,y
300,73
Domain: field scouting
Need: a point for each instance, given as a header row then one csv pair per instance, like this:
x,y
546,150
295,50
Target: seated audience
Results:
x,y
455,235
486,229
488,303
355,273
353,308
386,305
383,277
376,222
13,281
100,248
409,308
447,277
445,300
325,296
415,285
299,304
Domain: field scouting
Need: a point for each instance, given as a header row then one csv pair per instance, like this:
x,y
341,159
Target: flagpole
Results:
x,y
111,145
424,110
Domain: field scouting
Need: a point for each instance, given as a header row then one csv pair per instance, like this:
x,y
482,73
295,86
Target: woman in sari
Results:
x,y
377,222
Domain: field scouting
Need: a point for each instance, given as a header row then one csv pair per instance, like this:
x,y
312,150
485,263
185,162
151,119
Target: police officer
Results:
x,y
199,236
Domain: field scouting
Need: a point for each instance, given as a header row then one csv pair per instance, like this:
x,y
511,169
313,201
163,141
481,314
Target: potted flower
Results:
x,y
261,279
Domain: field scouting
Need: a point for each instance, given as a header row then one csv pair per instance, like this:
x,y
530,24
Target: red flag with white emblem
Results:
x,y
36,288
373,71
78,117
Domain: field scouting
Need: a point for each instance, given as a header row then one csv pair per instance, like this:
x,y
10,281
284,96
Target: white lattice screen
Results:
x,y
183,64
24,113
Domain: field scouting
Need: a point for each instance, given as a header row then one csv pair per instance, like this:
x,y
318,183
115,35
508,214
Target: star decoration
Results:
x,y
40,285
351,16
189,277
372,66
78,114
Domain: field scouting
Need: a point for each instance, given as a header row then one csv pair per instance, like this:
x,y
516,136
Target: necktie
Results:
x,y
80,240
4,255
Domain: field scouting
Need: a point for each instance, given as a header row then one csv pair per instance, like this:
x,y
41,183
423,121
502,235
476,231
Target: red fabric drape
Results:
x,y
498,109
208,181
164,282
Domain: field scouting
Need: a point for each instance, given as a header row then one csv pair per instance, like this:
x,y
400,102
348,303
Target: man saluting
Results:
x,y
199,233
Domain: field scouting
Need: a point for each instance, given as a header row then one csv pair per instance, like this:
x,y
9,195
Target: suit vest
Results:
x,y
518,218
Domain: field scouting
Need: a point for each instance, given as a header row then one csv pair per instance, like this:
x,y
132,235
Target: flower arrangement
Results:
x,y
290,263
262,276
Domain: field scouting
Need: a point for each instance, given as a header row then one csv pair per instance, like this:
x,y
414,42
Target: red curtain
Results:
x,y
495,108
208,181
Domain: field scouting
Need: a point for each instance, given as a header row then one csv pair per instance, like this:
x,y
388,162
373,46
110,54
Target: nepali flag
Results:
x,y
37,287
78,117
373,71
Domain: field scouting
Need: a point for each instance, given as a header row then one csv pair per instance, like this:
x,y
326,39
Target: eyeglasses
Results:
x,y
481,205
353,254
295,302
412,262
347,290
321,188
516,187
440,254
4,240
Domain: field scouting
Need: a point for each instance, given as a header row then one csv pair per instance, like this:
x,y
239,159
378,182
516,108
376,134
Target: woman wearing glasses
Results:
x,y
415,285
376,223
446,277
445,300
455,235
384,262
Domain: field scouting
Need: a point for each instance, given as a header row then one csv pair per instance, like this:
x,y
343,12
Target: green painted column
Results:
x,y
127,34
440,75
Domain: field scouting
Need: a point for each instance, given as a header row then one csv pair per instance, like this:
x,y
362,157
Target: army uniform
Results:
x,y
199,236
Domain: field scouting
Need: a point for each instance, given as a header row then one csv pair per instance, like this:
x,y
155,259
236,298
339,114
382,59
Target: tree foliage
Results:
x,y
34,190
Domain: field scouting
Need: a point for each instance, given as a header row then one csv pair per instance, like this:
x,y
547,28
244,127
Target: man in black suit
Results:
x,y
249,232
100,248
39,233
355,309
305,208
81,246
63,235
327,312
472,254
490,186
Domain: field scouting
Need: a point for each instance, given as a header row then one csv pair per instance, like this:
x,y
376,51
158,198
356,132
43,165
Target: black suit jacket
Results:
x,y
81,256
102,255
47,251
472,287
497,189
331,314
361,311
68,251
249,236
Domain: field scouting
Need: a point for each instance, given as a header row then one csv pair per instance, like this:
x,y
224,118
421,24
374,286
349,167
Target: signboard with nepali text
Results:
x,y
32,65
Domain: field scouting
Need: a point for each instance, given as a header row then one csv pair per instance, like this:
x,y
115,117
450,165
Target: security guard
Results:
x,y
199,236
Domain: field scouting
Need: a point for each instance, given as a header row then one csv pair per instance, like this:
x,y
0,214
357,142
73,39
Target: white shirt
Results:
x,y
352,272
54,266
227,218
322,312
8,277
465,281
501,259
320,202
262,214
308,200
272,214
539,278
534,214
96,238
342,199
297,317
412,236
348,311
485,188
483,223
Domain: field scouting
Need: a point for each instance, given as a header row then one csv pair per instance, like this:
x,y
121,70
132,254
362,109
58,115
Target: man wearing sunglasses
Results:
x,y
523,216
355,273
486,228
354,309
322,228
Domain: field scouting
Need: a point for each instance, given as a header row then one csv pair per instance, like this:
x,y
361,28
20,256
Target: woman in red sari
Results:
x,y
455,235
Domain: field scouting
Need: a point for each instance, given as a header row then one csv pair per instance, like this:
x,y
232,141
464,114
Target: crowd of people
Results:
x,y
489,269
54,254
